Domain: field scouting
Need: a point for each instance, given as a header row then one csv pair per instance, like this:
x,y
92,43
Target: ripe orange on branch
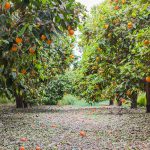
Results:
x,y
18,40
49,42
23,71
72,56
123,1
130,25
14,48
71,32
7,5
43,37
116,1
148,79
31,50
122,100
128,93
146,42
116,7
106,26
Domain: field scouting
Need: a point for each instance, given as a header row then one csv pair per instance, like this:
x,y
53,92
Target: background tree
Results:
x,y
116,50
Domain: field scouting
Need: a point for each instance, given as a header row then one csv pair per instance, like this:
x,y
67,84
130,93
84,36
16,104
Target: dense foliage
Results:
x,y
116,51
34,43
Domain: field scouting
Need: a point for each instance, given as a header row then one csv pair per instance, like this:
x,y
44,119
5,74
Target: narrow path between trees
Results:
x,y
59,128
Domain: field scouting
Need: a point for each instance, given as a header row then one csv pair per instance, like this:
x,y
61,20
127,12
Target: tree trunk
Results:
x,y
148,97
19,101
118,101
134,100
111,102
25,104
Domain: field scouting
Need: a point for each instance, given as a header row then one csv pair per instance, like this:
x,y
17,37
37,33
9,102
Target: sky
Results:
x,y
90,3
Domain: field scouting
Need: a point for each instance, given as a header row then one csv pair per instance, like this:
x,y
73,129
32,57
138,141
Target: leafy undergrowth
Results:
x,y
58,128
75,101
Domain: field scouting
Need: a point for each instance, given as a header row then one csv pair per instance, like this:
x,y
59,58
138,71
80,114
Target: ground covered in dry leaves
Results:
x,y
58,128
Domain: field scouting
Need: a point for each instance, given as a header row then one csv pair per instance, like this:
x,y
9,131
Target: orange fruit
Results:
x,y
148,79
21,148
123,1
72,56
14,48
38,148
23,71
54,126
106,26
122,100
31,50
128,93
71,32
130,25
7,5
49,42
116,1
146,42
24,139
116,8
43,37
82,133
18,40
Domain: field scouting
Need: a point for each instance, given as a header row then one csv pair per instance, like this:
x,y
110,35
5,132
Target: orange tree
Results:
x,y
34,44
95,67
114,34
124,30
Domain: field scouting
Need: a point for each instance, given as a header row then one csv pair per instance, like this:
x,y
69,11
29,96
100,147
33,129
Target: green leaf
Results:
x,y
23,30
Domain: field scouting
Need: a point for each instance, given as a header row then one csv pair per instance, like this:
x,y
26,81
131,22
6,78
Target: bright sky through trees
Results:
x,y
89,3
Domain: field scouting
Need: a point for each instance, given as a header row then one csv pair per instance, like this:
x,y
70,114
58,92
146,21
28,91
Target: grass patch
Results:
x,y
141,99
75,101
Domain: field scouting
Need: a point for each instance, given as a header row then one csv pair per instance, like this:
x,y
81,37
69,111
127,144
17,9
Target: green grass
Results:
x,y
141,99
75,101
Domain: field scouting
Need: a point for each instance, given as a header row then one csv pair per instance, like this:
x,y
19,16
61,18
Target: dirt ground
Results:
x,y
58,128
